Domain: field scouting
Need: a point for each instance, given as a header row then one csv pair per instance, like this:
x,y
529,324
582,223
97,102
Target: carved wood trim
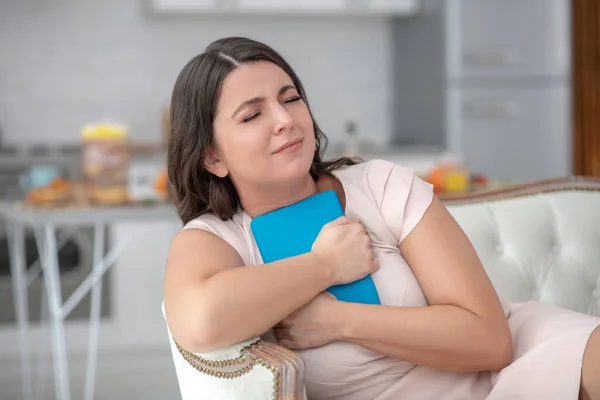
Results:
x,y
574,183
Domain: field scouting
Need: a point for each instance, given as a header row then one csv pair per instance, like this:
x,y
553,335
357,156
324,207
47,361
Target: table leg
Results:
x,y
33,272
41,370
51,275
96,294
20,287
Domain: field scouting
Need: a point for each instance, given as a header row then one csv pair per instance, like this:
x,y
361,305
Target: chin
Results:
x,y
295,168
298,169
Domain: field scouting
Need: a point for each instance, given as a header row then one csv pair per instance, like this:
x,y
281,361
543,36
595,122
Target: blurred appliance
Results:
x,y
490,80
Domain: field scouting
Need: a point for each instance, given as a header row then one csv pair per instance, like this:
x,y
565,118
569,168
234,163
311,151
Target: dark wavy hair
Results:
x,y
192,188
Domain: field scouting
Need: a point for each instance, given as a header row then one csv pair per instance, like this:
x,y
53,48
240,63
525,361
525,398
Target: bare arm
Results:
x,y
463,328
210,303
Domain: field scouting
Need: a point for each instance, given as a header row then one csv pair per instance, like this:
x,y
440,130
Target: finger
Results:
x,y
281,333
366,242
343,220
288,344
375,265
360,227
330,295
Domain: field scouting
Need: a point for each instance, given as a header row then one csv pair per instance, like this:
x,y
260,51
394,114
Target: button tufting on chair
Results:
x,y
553,241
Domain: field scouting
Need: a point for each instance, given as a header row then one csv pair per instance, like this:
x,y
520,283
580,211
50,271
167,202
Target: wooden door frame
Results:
x,y
586,87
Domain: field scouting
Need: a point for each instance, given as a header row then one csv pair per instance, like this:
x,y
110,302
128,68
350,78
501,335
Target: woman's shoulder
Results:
x,y
373,166
374,174
231,230
208,221
396,191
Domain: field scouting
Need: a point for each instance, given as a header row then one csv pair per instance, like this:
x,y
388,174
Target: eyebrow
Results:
x,y
255,100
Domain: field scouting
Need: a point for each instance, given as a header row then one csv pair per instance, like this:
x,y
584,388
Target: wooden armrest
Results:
x,y
285,366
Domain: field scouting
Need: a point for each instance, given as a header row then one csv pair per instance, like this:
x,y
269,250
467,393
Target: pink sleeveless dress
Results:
x,y
390,200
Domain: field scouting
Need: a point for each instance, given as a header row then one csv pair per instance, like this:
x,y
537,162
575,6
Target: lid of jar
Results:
x,y
104,132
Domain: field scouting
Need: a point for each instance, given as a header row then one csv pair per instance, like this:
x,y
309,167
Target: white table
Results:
x,y
44,223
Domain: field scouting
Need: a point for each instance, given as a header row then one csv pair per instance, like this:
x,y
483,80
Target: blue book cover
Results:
x,y
291,231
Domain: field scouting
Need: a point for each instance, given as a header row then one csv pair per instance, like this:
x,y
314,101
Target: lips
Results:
x,y
288,145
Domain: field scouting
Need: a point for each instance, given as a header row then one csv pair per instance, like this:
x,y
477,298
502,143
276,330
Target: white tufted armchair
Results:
x,y
538,241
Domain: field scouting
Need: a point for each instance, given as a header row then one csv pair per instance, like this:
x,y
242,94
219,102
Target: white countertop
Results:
x,y
86,215
421,159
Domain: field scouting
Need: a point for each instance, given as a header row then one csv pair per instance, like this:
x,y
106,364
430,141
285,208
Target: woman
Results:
x,y
244,143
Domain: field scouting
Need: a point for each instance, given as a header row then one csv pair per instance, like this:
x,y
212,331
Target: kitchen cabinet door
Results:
x,y
508,38
385,7
518,134
182,6
286,6
260,7
291,7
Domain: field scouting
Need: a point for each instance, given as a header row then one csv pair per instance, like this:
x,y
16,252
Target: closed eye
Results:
x,y
256,114
251,117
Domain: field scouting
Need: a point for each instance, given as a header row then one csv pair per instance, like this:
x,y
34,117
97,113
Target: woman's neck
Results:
x,y
261,200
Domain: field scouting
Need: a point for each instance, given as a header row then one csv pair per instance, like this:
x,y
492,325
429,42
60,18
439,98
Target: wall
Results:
x,y
418,76
65,63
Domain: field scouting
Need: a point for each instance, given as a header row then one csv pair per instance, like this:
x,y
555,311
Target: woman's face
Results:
x,y
263,130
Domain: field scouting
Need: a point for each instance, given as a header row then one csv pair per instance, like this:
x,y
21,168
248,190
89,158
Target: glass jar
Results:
x,y
105,163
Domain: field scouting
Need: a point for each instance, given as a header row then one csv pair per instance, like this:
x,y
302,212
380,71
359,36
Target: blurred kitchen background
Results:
x,y
471,93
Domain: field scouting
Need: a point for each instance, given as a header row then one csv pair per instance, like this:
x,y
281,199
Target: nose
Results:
x,y
283,119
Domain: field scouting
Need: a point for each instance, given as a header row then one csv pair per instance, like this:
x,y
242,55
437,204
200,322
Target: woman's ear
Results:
x,y
214,165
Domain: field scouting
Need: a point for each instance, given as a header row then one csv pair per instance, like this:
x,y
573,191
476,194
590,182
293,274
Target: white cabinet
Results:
x,y
291,7
514,133
285,6
508,37
138,282
391,7
182,6
395,6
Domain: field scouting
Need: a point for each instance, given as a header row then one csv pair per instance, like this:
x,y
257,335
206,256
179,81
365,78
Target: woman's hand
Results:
x,y
313,325
344,246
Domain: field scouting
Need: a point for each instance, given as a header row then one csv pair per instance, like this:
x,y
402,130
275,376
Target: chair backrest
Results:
x,y
539,241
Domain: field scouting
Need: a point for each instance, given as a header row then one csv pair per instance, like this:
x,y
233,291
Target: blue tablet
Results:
x,y
291,231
